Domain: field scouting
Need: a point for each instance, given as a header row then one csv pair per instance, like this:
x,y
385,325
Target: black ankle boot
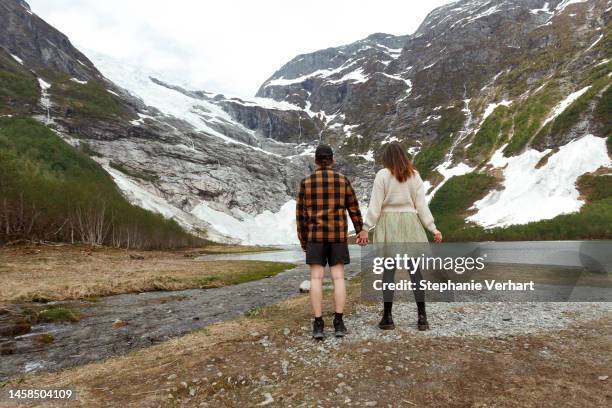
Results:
x,y
339,327
317,329
386,323
422,323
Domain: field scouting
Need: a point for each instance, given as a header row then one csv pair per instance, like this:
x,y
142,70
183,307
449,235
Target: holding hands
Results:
x,y
362,237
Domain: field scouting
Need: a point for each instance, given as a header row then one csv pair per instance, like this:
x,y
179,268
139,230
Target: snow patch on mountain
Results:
x,y
561,106
267,228
561,6
357,76
369,156
200,114
491,107
16,58
447,170
533,194
140,196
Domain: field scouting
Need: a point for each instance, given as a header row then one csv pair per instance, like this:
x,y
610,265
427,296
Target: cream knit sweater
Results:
x,y
389,195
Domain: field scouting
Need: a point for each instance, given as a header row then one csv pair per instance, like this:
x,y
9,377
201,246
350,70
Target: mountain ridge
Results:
x,y
478,86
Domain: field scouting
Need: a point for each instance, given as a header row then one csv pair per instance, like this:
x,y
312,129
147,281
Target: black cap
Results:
x,y
324,152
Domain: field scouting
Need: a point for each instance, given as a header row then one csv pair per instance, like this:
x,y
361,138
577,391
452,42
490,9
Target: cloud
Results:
x,y
231,46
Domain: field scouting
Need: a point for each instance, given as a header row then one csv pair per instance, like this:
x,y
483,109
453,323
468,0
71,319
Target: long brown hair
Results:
x,y
395,159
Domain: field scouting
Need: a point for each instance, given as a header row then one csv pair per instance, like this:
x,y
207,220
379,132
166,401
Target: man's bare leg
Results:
x,y
316,289
337,275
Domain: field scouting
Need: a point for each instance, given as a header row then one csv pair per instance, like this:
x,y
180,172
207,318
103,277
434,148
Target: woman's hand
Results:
x,y
362,237
437,236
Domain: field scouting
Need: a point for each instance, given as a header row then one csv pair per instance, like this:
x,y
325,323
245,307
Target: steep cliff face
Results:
x,y
513,90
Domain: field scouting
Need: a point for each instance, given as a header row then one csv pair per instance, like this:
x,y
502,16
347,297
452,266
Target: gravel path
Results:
x,y
499,320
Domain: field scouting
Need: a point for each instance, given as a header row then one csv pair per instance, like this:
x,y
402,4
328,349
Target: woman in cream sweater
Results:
x,y
398,209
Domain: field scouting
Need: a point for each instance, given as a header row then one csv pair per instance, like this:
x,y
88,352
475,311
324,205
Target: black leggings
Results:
x,y
415,278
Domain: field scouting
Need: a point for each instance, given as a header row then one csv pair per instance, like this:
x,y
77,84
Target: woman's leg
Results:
x,y
386,323
419,297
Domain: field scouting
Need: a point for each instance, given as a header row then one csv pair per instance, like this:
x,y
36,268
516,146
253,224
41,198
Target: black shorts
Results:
x,y
327,253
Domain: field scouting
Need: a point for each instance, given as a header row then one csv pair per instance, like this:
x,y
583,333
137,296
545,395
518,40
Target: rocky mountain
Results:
x,y
514,90
479,86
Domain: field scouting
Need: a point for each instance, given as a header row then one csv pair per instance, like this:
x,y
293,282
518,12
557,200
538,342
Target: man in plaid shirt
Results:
x,y
322,228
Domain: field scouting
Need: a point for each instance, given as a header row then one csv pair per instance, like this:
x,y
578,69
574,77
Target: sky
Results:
x,y
227,46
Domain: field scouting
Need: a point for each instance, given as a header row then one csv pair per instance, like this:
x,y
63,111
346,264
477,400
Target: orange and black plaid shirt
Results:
x,y
322,202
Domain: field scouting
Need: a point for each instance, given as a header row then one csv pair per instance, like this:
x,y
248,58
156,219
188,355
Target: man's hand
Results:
x,y
362,237
437,236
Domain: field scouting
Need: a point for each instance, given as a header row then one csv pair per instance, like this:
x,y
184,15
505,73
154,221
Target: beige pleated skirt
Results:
x,y
399,227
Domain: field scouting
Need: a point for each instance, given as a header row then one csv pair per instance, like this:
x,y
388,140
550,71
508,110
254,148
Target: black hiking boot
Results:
x,y
339,327
422,323
317,329
386,323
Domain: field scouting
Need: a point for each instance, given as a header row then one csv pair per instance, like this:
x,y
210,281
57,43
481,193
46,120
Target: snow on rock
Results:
x,y
369,156
357,76
533,194
561,6
198,113
431,117
348,131
595,42
498,159
544,9
267,103
389,139
78,81
492,106
561,106
16,58
267,228
139,196
45,100
320,73
399,78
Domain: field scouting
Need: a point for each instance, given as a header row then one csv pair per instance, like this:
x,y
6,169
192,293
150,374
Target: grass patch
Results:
x,y
449,205
603,114
44,339
258,271
493,131
72,273
59,314
528,117
433,154
19,90
87,101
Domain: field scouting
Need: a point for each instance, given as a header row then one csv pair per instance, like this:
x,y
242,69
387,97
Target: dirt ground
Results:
x,y
268,359
45,273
